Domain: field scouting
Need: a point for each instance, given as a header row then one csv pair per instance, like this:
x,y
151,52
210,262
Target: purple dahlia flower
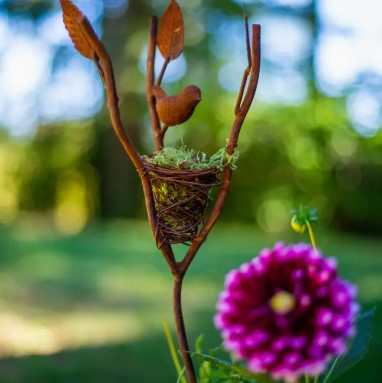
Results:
x,y
286,312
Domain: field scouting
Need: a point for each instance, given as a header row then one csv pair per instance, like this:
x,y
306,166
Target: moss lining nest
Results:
x,y
181,180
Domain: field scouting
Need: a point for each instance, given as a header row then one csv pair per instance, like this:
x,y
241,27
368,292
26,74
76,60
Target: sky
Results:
x,y
348,61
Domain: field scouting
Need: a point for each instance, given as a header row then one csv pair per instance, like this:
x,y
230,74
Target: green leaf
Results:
x,y
357,348
181,375
174,356
198,344
225,364
304,214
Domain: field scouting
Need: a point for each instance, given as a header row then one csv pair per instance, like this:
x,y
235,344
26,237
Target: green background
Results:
x,y
83,290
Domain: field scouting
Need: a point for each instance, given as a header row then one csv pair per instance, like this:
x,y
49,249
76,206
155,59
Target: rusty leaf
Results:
x,y
171,32
80,30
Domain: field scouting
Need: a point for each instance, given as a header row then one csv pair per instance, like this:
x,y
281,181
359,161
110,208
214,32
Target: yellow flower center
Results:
x,y
282,302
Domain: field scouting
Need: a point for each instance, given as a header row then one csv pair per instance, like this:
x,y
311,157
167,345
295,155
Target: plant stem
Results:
x,y
329,373
174,355
307,379
317,379
181,330
311,234
181,377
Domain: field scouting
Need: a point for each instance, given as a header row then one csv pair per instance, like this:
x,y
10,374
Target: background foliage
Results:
x,y
313,136
302,141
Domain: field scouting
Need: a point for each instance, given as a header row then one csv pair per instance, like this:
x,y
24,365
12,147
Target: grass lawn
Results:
x,y
90,308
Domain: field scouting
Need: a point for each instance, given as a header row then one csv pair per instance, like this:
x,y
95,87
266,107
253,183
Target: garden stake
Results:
x,y
169,40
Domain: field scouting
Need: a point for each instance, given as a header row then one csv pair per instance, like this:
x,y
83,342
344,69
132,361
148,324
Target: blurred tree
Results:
x,y
298,145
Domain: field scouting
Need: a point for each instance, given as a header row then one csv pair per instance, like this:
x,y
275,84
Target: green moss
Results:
x,y
184,158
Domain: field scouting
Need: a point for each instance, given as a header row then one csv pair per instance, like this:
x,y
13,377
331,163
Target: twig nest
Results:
x,y
181,196
181,180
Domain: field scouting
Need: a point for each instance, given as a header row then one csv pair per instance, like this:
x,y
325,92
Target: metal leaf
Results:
x,y
171,32
80,30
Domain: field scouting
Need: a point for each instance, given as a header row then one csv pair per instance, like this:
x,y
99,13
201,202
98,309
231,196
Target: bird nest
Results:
x,y
181,196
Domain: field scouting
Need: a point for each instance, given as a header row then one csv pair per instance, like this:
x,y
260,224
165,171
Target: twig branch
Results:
x,y
150,81
104,65
231,146
215,213
181,330
241,91
247,39
251,90
241,110
248,70
163,70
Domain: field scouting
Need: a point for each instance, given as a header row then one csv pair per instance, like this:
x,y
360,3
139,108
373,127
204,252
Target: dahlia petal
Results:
x,y
258,337
304,300
298,275
263,359
298,342
354,309
245,268
258,312
292,358
286,374
281,322
337,346
218,321
332,263
316,352
258,267
314,368
323,276
323,316
255,365
350,332
352,289
279,247
323,292
231,279
312,271
340,298
338,323
230,345
315,254
321,338
281,343
236,330
264,253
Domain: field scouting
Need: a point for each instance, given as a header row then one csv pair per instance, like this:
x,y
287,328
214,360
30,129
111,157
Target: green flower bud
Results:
x,y
297,226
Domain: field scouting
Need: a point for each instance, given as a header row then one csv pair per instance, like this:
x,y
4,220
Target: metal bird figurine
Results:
x,y
174,110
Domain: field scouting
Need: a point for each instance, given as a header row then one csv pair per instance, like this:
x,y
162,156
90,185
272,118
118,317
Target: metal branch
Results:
x,y
231,146
241,91
163,70
150,81
248,70
247,39
105,67
251,89
181,330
